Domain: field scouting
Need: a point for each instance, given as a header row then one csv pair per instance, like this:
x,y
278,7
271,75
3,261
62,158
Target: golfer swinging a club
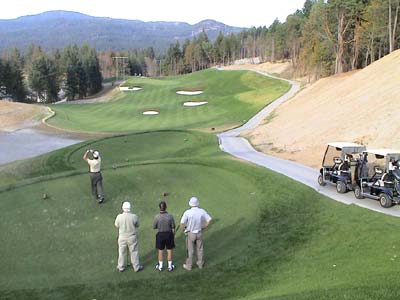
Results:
x,y
95,174
195,220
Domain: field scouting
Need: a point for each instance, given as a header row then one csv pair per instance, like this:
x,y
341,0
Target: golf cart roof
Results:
x,y
383,152
345,145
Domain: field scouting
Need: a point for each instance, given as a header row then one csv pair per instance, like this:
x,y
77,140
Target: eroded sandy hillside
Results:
x,y
271,68
361,106
14,116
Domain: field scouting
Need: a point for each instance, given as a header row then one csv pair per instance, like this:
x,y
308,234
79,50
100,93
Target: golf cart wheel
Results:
x,y
357,192
385,200
321,181
341,187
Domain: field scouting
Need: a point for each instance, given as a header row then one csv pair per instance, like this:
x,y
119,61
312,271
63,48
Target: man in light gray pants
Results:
x,y
127,224
193,222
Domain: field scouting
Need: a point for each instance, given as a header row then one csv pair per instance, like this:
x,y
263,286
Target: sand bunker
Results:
x,y
151,112
195,103
129,89
189,93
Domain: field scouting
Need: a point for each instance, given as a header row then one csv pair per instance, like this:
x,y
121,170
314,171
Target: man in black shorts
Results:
x,y
165,224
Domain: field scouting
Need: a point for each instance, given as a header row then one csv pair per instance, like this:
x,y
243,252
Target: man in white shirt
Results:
x,y
127,224
193,222
95,174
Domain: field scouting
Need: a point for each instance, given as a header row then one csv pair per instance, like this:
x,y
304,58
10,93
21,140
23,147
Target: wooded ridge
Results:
x,y
57,29
321,39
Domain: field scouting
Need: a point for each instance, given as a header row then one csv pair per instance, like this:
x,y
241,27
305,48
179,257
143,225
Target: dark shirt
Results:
x,y
164,222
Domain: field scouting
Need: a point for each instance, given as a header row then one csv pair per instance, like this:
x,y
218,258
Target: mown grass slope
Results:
x,y
272,238
233,96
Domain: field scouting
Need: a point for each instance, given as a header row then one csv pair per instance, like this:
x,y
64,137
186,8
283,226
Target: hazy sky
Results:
x,y
245,13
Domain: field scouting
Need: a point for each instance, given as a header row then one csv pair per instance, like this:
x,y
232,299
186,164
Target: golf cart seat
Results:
x,y
343,167
386,180
337,162
377,177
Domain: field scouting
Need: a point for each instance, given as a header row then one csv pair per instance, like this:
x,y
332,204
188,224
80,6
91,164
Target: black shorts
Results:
x,y
165,240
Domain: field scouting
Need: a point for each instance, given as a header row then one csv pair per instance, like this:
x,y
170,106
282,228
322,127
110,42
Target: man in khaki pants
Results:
x,y
194,220
127,224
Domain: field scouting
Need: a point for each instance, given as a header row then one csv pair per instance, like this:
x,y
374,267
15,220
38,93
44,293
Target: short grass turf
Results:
x,y
272,238
233,97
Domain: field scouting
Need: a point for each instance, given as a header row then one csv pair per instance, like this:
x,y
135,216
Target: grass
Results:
x,y
233,96
271,237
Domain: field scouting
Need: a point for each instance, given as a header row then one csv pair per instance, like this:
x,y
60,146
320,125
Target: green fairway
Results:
x,y
233,96
272,238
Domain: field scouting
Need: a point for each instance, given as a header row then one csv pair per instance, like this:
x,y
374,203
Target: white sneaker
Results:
x,y
170,269
158,268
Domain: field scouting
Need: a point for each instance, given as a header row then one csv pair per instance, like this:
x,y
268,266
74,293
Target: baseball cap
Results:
x,y
194,201
96,154
126,205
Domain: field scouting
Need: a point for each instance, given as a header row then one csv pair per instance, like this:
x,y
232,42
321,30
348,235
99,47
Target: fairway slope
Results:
x,y
271,238
360,106
232,96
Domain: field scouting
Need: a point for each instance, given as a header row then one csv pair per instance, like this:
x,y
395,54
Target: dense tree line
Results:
x,y
330,37
324,38
11,76
200,53
40,77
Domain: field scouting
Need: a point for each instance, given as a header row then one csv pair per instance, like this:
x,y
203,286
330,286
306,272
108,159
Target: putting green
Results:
x,y
232,96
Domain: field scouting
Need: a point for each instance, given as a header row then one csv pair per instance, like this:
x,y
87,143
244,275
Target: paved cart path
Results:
x,y
28,142
239,147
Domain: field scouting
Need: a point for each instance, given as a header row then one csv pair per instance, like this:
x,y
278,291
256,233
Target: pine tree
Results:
x,y
93,73
81,80
43,79
12,81
70,65
2,84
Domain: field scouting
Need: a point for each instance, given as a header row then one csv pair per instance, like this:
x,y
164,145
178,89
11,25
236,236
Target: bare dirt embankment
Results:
x,y
23,135
14,116
271,68
107,94
361,106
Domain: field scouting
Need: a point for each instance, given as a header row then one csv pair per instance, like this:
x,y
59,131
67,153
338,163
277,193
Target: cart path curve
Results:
x,y
237,146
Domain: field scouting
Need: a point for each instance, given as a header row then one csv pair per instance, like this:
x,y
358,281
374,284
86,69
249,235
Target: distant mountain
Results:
x,y
56,29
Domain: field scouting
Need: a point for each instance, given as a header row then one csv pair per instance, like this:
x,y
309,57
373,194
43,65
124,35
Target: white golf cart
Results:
x,y
378,176
339,165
